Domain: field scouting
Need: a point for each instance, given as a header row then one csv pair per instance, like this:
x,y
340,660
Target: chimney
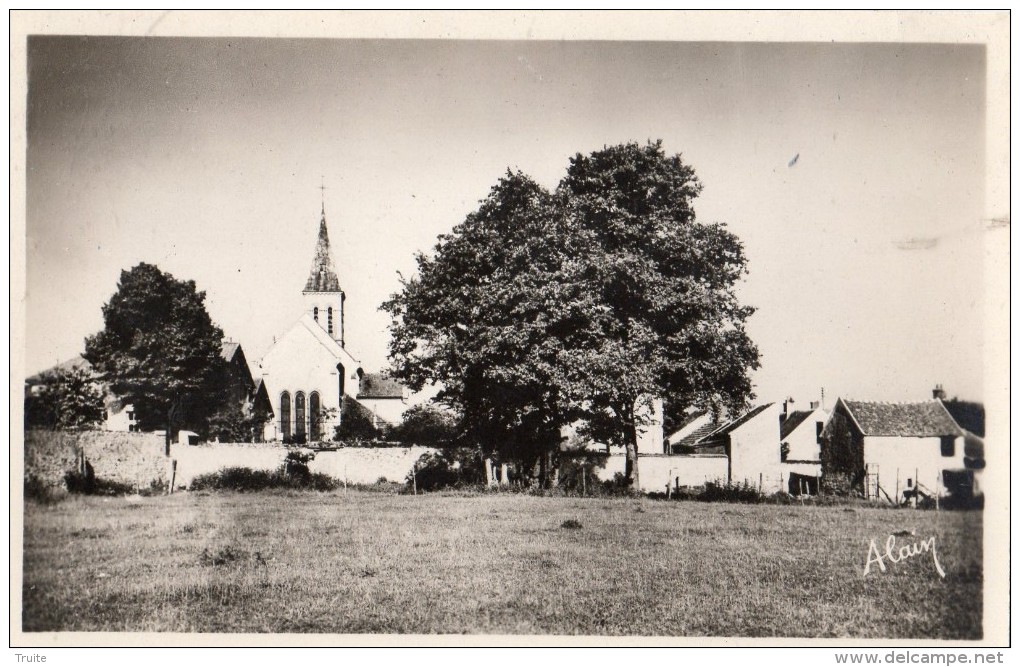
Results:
x,y
788,405
938,392
815,404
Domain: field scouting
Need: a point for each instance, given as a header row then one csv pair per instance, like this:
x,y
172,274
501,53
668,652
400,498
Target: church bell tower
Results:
x,y
324,300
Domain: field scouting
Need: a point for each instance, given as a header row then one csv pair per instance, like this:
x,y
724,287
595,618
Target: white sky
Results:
x,y
204,157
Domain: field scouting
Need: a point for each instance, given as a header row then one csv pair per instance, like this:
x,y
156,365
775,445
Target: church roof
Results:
x,y
228,349
322,277
377,385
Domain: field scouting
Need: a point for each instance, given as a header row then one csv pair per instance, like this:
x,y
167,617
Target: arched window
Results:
x,y
285,415
299,415
315,313
315,419
329,320
341,377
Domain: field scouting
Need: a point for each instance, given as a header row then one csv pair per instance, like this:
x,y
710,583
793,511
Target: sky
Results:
x,y
853,173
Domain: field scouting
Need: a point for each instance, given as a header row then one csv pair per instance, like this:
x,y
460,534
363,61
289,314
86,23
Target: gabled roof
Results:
x,y
691,418
694,436
376,385
790,424
923,419
741,420
322,277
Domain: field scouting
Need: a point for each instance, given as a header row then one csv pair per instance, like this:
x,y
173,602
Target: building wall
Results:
x,y
388,410
899,459
649,436
804,445
754,449
121,420
300,362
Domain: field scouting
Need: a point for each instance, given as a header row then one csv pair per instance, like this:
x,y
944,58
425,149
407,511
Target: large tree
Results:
x,y
542,309
485,317
665,320
160,351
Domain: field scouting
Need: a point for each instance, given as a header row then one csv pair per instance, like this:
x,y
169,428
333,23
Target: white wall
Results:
x,y
355,464
299,361
804,439
119,421
649,435
655,472
754,449
389,410
897,459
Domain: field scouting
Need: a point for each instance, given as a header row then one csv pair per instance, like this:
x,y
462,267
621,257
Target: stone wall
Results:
x,y
356,465
656,471
128,458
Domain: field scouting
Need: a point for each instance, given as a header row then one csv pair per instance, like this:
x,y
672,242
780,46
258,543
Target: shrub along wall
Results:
x,y
135,459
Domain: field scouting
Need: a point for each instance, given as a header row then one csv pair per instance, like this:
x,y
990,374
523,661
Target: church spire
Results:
x,y
322,277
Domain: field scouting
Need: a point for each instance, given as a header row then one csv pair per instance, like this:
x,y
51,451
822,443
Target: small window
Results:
x,y
948,445
131,414
329,319
315,313
818,432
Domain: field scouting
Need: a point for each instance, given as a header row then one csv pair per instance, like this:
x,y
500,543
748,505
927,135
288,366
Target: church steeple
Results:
x,y
323,297
322,277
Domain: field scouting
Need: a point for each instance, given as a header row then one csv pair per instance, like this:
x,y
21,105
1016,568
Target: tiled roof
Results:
x,y
375,385
743,419
790,424
322,277
694,436
924,419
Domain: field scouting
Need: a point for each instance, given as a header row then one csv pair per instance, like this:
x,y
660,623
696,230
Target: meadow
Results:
x,y
373,562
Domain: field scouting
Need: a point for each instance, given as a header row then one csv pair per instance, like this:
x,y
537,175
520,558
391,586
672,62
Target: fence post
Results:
x,y
897,496
759,483
917,487
172,475
584,473
414,478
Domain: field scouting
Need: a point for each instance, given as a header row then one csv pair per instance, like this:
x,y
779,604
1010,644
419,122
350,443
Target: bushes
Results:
x,y
448,468
293,474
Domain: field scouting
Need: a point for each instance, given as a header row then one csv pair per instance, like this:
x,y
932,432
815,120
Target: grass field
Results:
x,y
369,562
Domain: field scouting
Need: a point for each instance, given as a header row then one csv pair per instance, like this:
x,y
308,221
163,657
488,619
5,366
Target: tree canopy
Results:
x,y
542,309
65,398
160,350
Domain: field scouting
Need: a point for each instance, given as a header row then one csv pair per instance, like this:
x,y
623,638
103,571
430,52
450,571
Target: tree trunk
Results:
x,y
631,469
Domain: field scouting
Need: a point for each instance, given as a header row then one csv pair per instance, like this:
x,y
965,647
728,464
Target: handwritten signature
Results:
x,y
894,555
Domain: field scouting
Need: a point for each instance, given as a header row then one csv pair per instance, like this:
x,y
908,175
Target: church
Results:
x,y
309,371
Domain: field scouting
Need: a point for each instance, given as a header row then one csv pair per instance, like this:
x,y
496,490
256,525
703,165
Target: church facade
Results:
x,y
308,371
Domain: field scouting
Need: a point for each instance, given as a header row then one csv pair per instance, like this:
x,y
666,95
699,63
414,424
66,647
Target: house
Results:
x,y
800,436
384,398
751,444
894,451
696,425
117,415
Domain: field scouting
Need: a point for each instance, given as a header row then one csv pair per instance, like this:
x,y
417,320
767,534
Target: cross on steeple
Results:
x,y
322,187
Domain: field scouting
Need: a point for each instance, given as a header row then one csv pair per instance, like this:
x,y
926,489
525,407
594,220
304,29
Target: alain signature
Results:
x,y
894,555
